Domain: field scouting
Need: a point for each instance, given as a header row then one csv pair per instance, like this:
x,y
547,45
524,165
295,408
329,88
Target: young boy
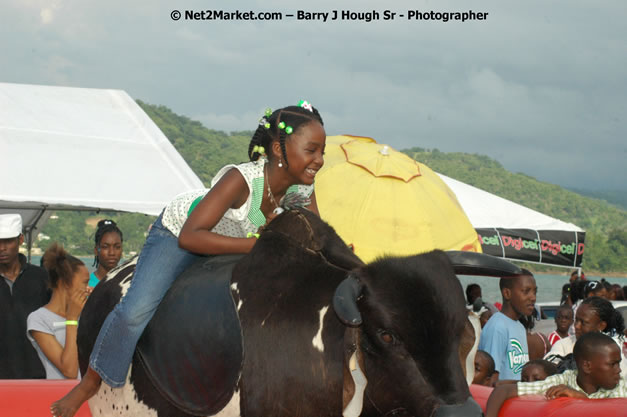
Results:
x,y
503,336
484,369
563,321
597,376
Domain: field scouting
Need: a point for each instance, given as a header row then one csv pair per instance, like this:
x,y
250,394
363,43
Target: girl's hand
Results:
x,y
563,391
78,298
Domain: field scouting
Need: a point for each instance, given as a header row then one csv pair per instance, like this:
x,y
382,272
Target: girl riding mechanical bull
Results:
x,y
286,151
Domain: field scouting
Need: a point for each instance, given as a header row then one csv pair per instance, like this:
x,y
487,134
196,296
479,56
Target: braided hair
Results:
x,y
608,314
105,226
592,287
293,116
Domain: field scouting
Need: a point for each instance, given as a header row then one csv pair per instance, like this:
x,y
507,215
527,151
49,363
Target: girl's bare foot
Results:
x,y
68,405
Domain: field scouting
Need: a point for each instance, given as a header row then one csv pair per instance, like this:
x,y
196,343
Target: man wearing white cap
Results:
x,y
23,289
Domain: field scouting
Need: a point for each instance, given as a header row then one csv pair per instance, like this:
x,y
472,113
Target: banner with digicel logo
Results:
x,y
553,247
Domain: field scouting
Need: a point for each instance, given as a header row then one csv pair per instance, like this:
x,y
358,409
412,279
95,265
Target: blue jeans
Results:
x,y
160,262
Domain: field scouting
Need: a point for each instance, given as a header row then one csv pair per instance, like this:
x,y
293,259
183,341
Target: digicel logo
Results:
x,y
516,243
555,248
489,240
545,245
519,243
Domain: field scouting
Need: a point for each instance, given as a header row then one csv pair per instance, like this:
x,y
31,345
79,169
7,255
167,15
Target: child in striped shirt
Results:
x,y
597,376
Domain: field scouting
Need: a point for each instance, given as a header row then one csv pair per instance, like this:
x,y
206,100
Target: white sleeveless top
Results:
x,y
236,222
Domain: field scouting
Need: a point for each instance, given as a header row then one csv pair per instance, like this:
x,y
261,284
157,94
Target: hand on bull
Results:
x,y
269,218
563,391
293,200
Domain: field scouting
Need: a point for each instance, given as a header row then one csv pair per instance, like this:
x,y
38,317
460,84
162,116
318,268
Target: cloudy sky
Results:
x,y
539,85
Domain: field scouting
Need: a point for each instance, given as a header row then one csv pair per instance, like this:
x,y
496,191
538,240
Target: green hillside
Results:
x,y
208,150
205,150
614,197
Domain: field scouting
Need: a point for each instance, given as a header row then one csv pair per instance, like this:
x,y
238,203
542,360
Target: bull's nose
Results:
x,y
468,409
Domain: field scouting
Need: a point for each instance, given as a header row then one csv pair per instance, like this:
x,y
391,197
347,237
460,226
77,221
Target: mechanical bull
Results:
x,y
298,327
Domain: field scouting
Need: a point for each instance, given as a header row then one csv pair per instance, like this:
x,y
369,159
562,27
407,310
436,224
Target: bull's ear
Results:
x,y
345,301
472,263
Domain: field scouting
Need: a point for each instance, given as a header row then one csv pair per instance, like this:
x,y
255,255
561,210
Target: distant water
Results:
x,y
35,260
549,286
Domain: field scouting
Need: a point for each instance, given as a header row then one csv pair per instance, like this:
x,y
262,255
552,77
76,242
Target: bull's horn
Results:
x,y
472,263
345,301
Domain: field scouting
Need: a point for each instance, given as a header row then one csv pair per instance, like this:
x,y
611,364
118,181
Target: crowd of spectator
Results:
x,y
40,305
40,309
583,357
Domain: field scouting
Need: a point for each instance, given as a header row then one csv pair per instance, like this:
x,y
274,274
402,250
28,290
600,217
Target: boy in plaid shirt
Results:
x,y
597,376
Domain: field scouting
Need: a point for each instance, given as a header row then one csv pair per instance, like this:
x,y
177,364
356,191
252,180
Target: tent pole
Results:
x,y
29,242
29,230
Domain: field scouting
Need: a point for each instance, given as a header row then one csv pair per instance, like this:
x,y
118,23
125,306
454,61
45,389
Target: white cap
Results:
x,y
10,225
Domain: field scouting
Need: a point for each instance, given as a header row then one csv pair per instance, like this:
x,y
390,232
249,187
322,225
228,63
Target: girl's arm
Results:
x,y
231,191
65,359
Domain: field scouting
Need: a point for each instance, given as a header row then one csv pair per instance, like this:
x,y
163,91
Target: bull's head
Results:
x,y
410,314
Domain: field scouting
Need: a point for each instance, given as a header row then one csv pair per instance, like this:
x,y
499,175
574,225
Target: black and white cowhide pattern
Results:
x,y
126,401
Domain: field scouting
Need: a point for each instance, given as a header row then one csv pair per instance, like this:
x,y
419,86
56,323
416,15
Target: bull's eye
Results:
x,y
386,337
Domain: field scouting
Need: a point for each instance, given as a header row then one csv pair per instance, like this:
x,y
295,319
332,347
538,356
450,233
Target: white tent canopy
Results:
x,y
79,148
512,231
487,210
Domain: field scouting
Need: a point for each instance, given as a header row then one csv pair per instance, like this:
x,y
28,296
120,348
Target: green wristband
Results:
x,y
71,322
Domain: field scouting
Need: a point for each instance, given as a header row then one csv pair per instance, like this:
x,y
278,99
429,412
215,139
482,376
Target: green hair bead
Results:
x,y
289,130
282,125
268,112
267,125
